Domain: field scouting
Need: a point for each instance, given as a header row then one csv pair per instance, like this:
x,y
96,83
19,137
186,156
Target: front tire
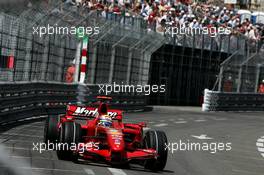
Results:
x,y
156,140
51,133
70,133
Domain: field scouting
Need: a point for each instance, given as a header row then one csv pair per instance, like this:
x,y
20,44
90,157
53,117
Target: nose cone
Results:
x,y
116,140
117,145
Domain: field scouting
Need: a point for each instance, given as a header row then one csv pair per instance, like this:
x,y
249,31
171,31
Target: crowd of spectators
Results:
x,y
160,14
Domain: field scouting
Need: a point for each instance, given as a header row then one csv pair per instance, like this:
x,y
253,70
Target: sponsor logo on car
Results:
x,y
82,111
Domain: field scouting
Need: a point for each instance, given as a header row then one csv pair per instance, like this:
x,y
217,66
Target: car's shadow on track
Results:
x,y
132,167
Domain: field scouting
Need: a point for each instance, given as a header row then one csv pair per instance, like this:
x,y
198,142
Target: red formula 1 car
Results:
x,y
98,134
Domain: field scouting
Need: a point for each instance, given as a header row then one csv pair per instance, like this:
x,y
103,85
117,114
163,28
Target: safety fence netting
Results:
x,y
41,43
242,72
225,43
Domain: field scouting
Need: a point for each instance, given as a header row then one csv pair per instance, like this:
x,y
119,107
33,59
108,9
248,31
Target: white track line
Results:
x,y
116,171
259,144
89,171
200,120
220,119
261,149
260,140
146,128
180,122
161,124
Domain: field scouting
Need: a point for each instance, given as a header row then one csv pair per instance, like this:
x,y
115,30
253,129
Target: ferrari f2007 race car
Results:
x,y
99,134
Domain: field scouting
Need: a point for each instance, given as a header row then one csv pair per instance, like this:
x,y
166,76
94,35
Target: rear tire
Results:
x,y
156,140
70,132
51,133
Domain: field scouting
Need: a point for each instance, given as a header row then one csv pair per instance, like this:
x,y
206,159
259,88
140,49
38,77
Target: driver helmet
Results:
x,y
105,120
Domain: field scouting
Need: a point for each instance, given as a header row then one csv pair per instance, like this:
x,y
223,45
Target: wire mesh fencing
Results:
x,y
119,52
226,43
242,73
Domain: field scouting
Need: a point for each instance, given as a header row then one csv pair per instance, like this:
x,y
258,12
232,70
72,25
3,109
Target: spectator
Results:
x,y
175,13
69,77
261,87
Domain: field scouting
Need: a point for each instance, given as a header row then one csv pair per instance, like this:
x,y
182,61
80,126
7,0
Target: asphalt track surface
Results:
x,y
243,130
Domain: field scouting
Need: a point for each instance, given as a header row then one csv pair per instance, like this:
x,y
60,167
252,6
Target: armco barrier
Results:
x,y
230,101
24,100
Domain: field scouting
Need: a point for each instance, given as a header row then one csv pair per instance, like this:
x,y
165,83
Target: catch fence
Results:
x,y
120,52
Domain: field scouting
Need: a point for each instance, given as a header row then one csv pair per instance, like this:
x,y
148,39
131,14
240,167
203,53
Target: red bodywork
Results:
x,y
120,143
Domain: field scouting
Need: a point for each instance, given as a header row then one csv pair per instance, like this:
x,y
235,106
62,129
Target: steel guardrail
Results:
x,y
28,99
232,101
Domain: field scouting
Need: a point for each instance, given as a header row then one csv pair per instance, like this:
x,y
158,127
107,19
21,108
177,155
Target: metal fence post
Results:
x,y
112,65
77,61
93,59
27,58
45,57
239,82
220,79
130,55
257,78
